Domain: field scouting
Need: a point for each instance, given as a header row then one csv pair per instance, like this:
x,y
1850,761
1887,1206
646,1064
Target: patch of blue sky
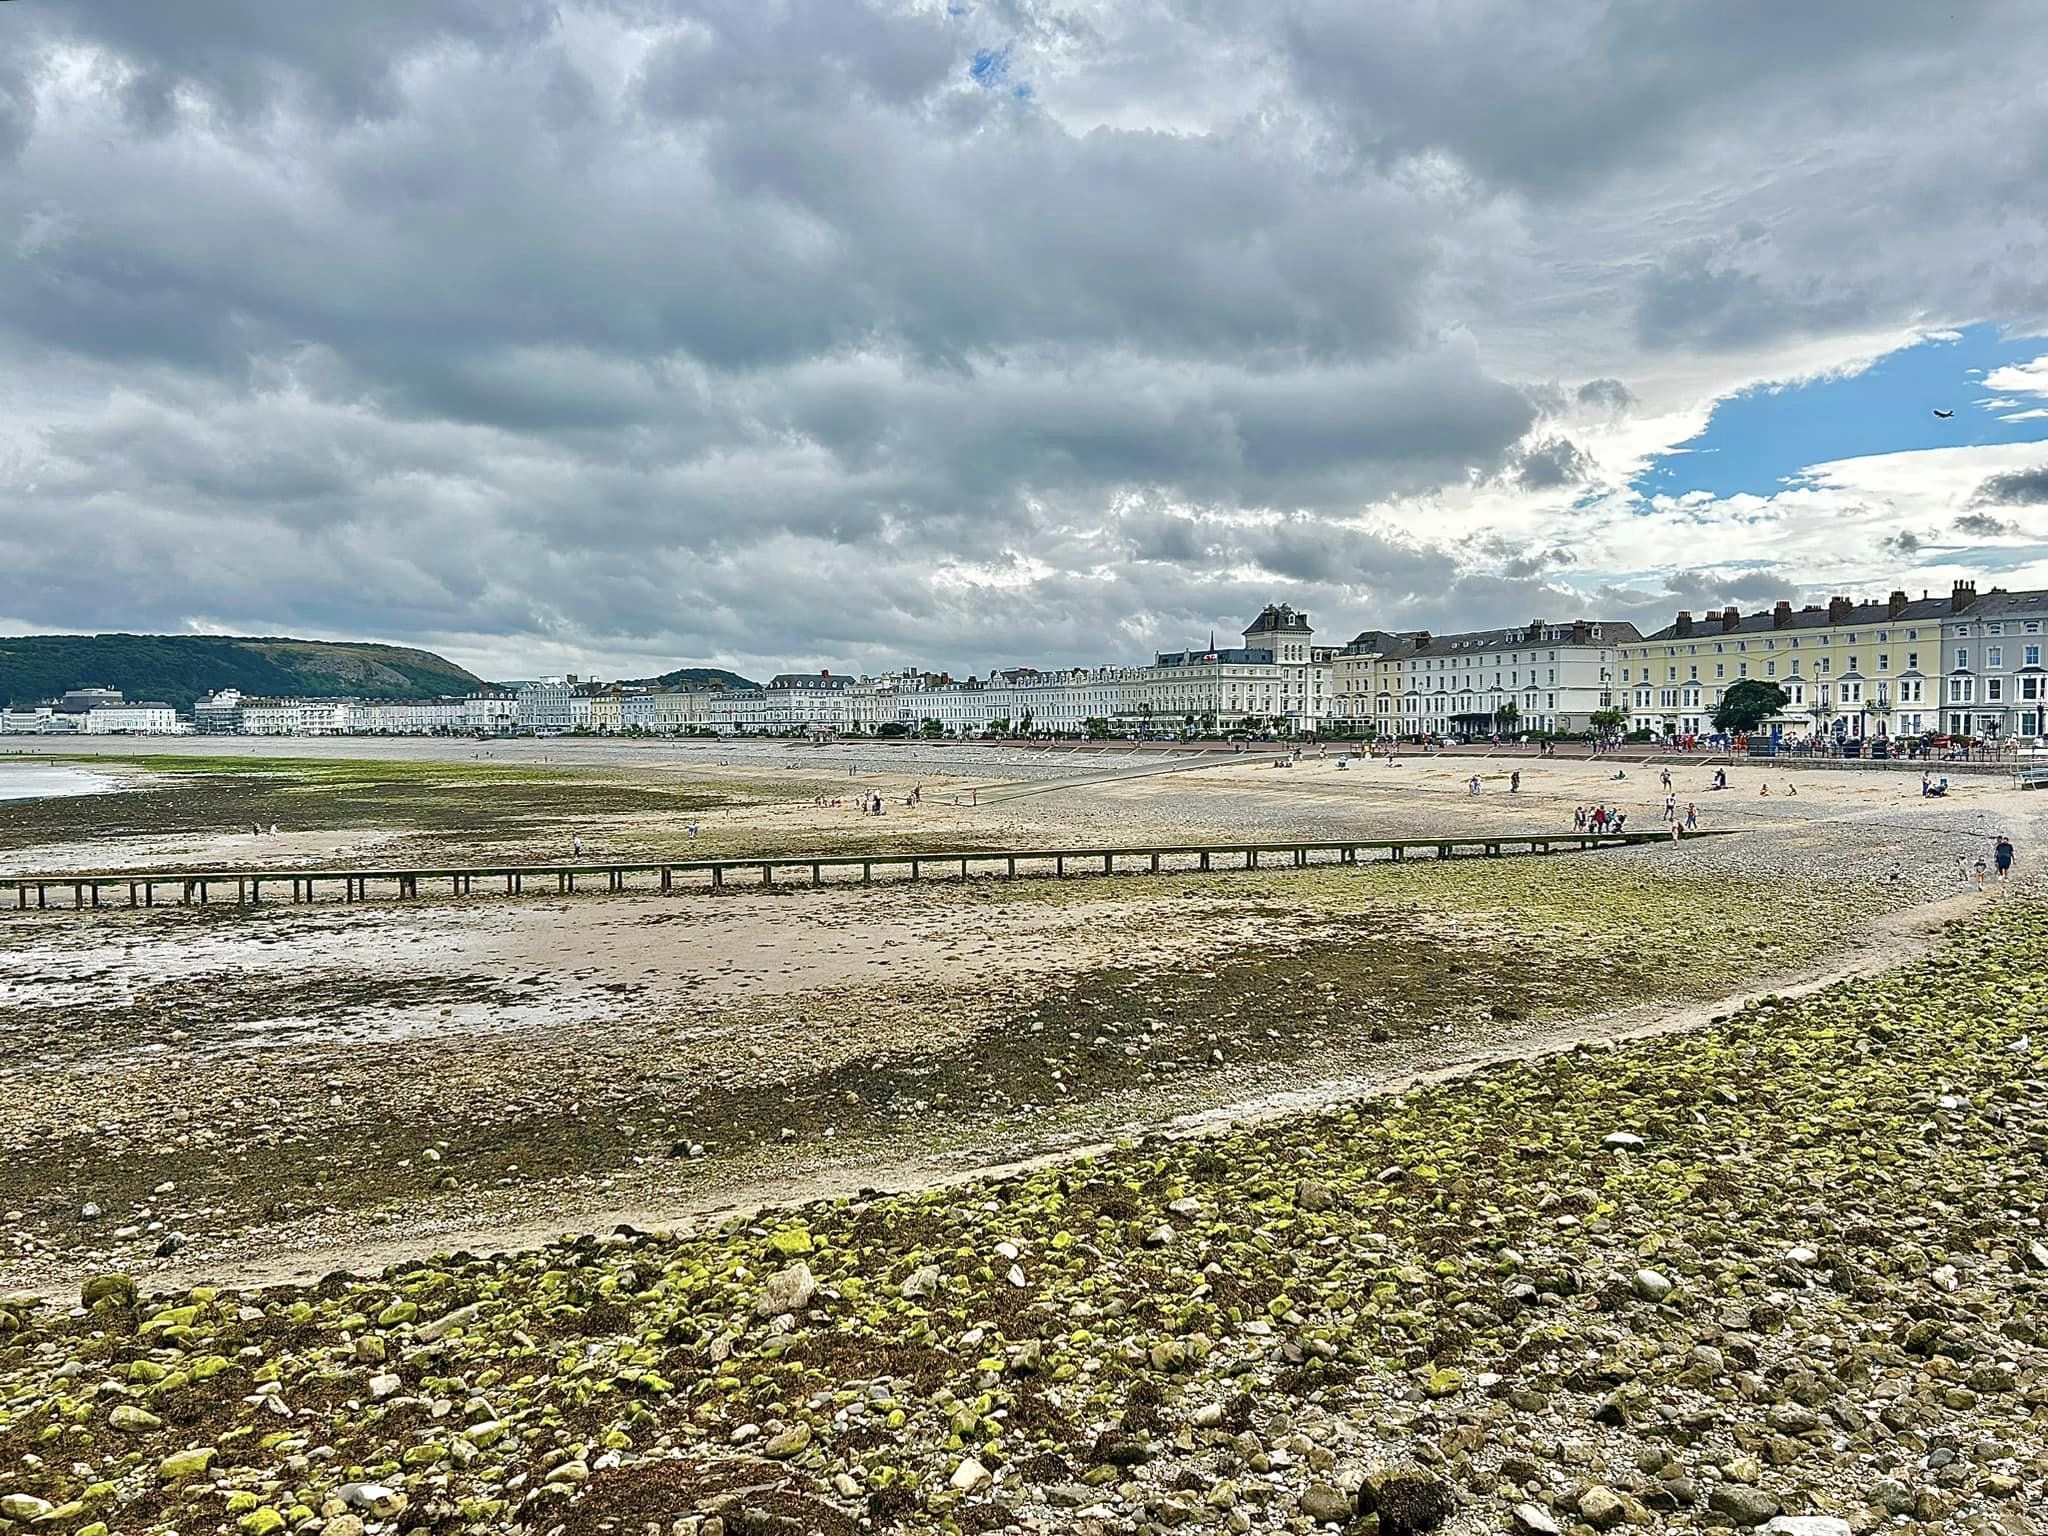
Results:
x,y
1760,441
990,67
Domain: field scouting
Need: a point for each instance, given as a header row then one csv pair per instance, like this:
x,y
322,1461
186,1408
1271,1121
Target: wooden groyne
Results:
x,y
83,891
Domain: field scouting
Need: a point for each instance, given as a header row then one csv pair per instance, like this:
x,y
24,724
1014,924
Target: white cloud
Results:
x,y
759,333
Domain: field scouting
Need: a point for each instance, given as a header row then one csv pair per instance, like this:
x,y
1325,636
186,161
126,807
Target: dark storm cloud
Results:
x,y
1706,297
2016,488
775,331
1551,463
1549,99
1981,525
1606,394
1905,543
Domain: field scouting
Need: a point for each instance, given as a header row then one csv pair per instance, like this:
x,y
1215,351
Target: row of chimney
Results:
x,y
1840,610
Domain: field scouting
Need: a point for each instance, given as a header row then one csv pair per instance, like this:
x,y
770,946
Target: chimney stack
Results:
x,y
1839,609
1781,616
1965,593
1897,605
1731,616
1684,625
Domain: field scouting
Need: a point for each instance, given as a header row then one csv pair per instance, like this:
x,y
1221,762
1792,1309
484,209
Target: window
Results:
x,y
1912,661
1742,669
1770,669
1962,658
1994,689
1994,656
1720,670
1884,662
2030,656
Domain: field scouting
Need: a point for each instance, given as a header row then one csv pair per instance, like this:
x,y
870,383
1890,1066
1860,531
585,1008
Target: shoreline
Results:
x,y
1915,931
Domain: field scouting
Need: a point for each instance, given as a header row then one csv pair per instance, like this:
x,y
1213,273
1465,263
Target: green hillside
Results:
x,y
701,677
180,668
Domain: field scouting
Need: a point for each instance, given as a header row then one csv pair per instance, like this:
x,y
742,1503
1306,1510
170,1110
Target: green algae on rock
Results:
x,y
1780,1267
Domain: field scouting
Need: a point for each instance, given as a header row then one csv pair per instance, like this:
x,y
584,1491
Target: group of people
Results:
x,y
1598,818
2001,857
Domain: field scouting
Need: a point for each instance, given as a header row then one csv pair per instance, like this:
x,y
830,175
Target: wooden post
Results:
x,y
1012,866
963,868
867,873
913,869
1205,861
767,874
1109,863
817,873
668,878
1251,858
717,876
1059,866
1155,863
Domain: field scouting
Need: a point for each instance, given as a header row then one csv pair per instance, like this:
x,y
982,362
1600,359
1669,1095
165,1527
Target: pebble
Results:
x,y
969,1477
1326,1506
1652,1286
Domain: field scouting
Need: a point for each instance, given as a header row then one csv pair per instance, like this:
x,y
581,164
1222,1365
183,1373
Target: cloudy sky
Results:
x,y
607,335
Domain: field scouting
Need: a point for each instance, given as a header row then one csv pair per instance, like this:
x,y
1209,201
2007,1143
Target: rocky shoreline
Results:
x,y
1789,1269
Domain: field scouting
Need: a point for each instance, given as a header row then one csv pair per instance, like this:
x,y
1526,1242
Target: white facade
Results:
x,y
544,705
1540,676
490,714
42,721
132,719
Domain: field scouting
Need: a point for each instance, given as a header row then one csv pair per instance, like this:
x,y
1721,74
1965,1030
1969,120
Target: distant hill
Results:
x,y
699,677
180,668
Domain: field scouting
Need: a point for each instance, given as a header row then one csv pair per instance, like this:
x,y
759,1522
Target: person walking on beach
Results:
x,y
1692,816
1979,872
2002,856
575,847
1515,782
